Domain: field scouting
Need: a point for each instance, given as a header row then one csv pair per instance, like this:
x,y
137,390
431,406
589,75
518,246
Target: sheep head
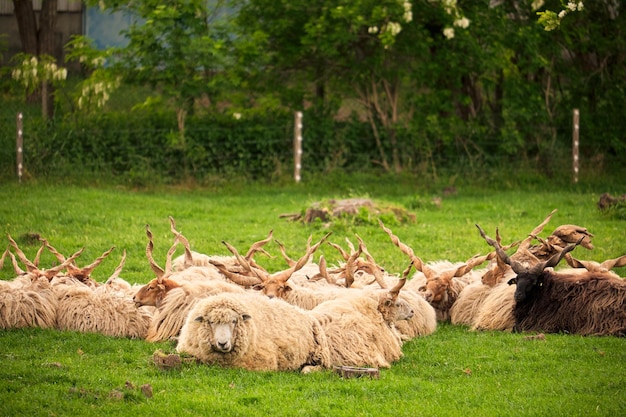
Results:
x,y
153,293
219,325
528,277
393,308
276,285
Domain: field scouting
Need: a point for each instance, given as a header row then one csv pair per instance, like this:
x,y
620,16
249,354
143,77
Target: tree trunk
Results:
x,y
38,40
27,25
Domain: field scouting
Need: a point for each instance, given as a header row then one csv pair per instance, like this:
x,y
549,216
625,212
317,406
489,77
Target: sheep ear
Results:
x,y
512,281
245,317
258,287
199,319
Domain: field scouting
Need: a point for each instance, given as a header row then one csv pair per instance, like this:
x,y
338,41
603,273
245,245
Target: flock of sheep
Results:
x,y
232,312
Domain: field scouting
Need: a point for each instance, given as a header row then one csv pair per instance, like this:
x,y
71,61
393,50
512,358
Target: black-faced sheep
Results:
x,y
253,332
593,303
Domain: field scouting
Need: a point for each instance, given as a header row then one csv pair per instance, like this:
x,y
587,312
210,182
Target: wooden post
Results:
x,y
297,146
575,136
20,146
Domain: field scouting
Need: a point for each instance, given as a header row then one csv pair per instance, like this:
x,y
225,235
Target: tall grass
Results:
x,y
452,372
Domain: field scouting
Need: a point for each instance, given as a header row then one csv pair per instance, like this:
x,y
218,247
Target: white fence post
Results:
x,y
20,146
575,142
297,146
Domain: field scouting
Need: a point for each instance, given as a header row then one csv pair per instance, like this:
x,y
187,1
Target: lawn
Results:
x,y
451,372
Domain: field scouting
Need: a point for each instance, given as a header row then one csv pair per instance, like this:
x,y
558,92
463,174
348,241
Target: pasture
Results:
x,y
451,372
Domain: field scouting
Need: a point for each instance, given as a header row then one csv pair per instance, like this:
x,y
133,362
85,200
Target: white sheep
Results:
x,y
253,332
440,283
29,300
357,333
173,294
107,309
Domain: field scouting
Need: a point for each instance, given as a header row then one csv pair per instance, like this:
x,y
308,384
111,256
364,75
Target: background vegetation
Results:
x,y
434,88
451,372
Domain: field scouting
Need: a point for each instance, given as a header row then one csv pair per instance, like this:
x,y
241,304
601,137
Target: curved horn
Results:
x,y
555,259
52,272
417,262
53,250
500,252
304,259
395,291
16,267
343,253
243,261
87,270
158,271
118,270
4,255
38,255
29,265
281,247
182,239
239,279
614,263
257,246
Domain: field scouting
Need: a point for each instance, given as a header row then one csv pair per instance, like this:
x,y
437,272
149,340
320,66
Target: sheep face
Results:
x,y
435,291
404,311
394,309
218,328
152,293
526,282
273,288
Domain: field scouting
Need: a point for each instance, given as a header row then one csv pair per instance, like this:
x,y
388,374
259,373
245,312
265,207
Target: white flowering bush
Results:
x,y
551,20
95,91
451,8
31,71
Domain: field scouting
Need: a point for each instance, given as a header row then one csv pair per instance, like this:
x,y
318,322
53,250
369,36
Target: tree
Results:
x,y
368,50
179,48
38,39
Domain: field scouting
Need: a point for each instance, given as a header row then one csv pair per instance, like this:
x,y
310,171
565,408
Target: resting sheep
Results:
x,y
253,332
107,309
593,303
442,282
357,332
29,299
173,294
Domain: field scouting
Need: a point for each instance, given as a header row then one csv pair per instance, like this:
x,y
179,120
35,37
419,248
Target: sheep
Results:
x,y
475,303
496,310
593,303
29,300
32,305
489,305
443,281
107,309
173,297
277,285
253,332
357,332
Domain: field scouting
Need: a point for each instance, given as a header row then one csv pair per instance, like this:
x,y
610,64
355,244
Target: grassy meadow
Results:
x,y
452,372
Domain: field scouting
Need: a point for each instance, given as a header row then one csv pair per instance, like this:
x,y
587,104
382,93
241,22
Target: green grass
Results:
x,y
452,372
